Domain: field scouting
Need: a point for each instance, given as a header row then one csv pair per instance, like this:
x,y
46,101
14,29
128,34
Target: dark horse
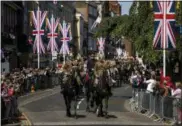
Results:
x,y
89,90
102,92
71,91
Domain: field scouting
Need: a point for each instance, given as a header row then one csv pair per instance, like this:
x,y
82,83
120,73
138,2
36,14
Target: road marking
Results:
x,y
28,122
119,123
78,105
126,87
38,98
39,92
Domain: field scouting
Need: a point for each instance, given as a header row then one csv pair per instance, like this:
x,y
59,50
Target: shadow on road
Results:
x,y
112,117
79,116
125,97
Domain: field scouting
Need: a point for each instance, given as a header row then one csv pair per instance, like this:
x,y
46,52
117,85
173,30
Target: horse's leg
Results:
x,y
97,102
92,99
106,106
87,99
67,103
75,104
101,108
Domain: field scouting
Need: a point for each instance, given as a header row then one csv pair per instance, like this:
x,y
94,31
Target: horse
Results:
x,y
71,91
89,90
103,92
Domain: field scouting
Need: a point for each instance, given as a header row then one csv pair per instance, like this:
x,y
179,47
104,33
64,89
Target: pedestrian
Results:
x,y
151,83
135,82
177,93
6,96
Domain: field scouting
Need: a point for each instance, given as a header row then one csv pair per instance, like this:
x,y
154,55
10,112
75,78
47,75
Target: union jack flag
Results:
x,y
52,45
164,17
65,29
38,20
101,42
55,1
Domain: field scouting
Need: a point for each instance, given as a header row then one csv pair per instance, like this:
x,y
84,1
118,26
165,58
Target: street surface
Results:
x,y
47,108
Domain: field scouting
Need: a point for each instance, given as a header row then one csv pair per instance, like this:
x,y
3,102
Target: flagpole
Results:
x,y
52,23
38,39
164,40
64,58
64,53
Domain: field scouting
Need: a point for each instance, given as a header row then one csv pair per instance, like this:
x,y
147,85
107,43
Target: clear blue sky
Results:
x,y
125,7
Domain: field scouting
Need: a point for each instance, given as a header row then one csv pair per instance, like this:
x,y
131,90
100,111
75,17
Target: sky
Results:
x,y
125,7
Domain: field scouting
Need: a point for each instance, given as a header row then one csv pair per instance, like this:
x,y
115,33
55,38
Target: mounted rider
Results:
x,y
66,87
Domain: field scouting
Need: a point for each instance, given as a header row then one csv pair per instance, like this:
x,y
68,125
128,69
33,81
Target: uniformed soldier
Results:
x,y
66,88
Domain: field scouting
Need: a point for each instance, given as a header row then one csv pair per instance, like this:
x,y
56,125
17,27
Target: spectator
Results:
x,y
135,82
177,93
5,94
151,83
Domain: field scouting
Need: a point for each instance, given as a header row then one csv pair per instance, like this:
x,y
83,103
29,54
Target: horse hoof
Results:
x,y
97,112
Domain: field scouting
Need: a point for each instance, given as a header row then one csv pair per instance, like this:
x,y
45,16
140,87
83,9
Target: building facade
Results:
x,y
92,16
16,28
11,31
79,32
111,8
89,12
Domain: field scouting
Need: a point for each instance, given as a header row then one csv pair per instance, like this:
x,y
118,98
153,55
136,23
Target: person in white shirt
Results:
x,y
151,83
134,81
178,95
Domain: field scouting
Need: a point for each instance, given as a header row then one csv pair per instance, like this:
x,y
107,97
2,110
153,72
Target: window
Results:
x,y
95,11
89,23
90,10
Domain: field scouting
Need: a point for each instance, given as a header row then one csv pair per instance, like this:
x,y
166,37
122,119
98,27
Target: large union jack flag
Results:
x,y
65,29
38,20
52,46
164,25
101,42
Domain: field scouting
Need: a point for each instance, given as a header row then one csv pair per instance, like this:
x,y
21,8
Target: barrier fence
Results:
x,y
162,107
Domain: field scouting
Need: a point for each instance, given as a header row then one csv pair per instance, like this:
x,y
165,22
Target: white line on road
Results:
x,y
78,105
37,98
126,87
94,123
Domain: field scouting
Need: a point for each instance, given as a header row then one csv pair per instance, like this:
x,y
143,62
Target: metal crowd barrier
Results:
x,y
39,82
162,107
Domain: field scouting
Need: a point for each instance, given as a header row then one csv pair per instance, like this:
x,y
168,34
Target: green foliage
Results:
x,y
137,27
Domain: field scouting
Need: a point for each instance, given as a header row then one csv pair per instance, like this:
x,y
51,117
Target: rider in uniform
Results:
x,y
66,87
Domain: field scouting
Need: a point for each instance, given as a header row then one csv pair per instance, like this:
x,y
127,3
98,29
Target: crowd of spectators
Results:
x,y
153,82
21,82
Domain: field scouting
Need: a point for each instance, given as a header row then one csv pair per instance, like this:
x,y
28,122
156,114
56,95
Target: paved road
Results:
x,y
47,108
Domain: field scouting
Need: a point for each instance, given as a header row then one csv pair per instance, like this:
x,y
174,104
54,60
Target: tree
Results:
x,y
138,28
